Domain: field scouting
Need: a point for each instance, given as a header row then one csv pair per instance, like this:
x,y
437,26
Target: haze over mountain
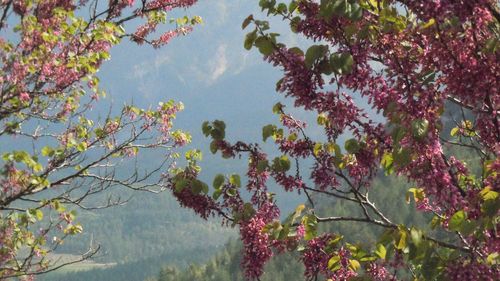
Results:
x,y
216,78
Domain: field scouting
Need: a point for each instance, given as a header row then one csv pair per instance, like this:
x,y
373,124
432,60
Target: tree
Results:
x,y
65,157
420,65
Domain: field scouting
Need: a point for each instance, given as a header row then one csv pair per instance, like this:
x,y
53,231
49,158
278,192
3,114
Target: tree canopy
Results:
x,y
421,65
56,153
400,88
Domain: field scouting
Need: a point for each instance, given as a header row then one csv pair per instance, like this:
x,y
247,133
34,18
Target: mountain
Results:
x,y
149,231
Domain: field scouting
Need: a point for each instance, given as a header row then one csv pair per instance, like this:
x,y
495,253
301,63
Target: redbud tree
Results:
x,y
421,66
56,154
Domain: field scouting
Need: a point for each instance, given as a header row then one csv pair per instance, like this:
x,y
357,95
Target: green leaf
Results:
x,y
457,220
20,156
429,23
265,45
297,51
181,184
430,268
278,87
387,163
218,131
219,125
277,108
322,119
248,211
493,258
58,206
281,164
292,6
297,212
490,207
267,4
193,154
314,53
435,222
292,137
333,148
488,194
419,128
47,151
347,9
231,192
294,22
268,131
398,133
218,181
250,39
81,146
247,21
310,222
356,12
325,67
213,147
206,128
37,167
235,180
381,252
204,188
197,186
468,227
352,146
39,214
354,265
262,165
401,240
333,262
342,63
416,236
401,157
217,193
340,7
326,9
318,147
217,134
492,45
282,8
418,194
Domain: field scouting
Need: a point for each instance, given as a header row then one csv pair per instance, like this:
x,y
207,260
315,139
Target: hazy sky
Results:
x,y
209,71
213,75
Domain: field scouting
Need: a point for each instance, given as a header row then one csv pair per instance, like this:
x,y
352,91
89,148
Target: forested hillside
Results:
x,y
149,231
225,266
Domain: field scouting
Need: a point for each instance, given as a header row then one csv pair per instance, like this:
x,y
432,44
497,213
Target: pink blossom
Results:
x,y
25,97
256,243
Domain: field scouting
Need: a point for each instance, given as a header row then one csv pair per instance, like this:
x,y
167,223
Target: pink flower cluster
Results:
x,y
377,272
318,253
12,181
7,240
203,205
465,270
409,75
256,243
